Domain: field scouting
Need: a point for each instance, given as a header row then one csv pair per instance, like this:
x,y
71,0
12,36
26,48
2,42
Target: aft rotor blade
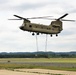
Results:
x,y
62,16
68,20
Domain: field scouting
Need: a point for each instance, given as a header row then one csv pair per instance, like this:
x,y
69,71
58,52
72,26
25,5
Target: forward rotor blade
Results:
x,y
19,17
49,18
22,18
39,17
62,16
31,17
14,19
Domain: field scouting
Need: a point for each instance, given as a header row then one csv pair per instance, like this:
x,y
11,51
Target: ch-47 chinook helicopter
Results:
x,y
54,28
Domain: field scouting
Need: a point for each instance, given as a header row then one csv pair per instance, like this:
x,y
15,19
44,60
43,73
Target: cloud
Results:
x,y
4,1
13,39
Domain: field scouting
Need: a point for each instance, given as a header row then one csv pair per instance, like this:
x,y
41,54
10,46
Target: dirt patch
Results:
x,y
9,72
45,71
35,72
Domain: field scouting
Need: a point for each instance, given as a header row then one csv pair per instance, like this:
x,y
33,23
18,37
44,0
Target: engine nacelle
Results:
x,y
22,28
56,23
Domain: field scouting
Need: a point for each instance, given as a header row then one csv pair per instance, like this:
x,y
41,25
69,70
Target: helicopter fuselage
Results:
x,y
54,28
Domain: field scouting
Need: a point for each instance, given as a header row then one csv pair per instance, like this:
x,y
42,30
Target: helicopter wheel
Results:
x,y
33,34
37,33
51,35
56,34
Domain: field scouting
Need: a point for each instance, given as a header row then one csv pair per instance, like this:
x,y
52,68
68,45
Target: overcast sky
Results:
x,y
12,39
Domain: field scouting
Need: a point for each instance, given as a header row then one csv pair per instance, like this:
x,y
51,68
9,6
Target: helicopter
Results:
x,y
55,26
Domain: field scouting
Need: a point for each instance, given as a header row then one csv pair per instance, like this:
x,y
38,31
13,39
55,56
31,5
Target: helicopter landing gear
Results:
x,y
33,34
56,34
51,35
37,33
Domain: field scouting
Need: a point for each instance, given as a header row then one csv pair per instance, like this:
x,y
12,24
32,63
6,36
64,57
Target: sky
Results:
x,y
12,39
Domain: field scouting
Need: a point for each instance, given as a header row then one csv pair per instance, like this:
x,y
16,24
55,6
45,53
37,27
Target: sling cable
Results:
x,y
38,46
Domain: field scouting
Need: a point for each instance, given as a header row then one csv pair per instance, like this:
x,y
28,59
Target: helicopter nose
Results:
x,y
21,27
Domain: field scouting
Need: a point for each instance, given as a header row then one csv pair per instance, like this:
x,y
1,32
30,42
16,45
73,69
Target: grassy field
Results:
x,y
53,60
11,63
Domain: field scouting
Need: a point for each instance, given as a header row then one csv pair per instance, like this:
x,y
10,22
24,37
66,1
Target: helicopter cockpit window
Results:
x,y
23,24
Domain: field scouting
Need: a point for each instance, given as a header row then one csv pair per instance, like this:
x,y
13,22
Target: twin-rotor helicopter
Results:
x,y
55,26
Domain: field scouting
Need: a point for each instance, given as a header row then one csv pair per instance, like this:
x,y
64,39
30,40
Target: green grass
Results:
x,y
9,65
17,66
56,60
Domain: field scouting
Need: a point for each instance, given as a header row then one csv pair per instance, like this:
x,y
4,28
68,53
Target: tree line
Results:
x,y
38,55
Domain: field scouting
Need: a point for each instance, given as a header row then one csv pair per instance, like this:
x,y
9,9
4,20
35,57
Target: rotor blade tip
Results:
x,y
67,14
